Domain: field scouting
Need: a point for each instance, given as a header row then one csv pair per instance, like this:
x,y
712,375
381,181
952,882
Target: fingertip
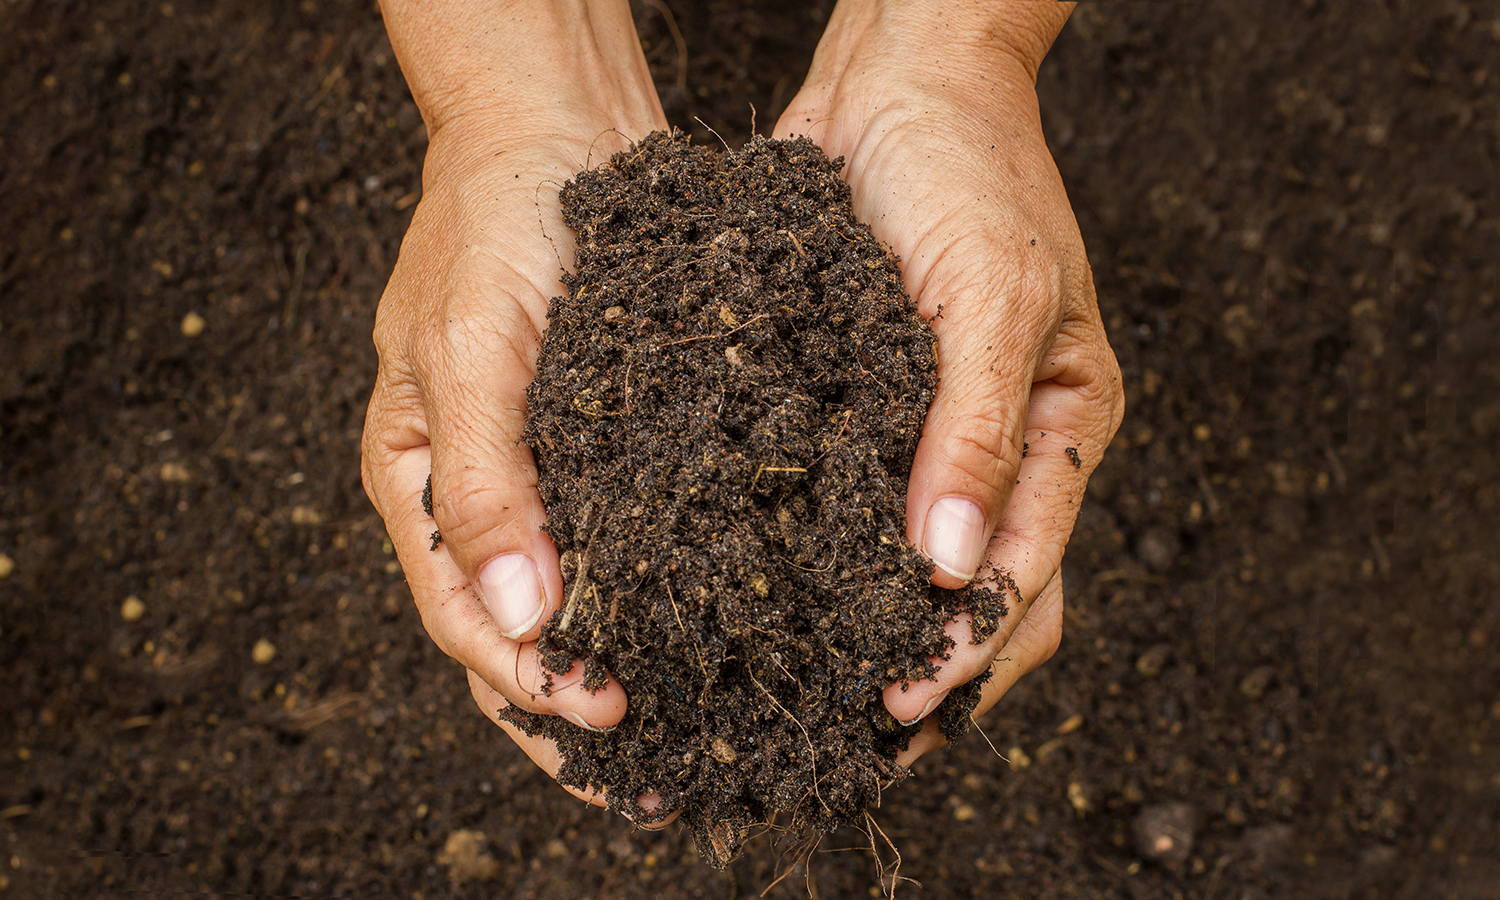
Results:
x,y
909,702
511,587
954,537
928,739
595,710
650,803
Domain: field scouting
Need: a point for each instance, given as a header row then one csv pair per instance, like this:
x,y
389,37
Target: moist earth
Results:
x,y
727,404
1280,627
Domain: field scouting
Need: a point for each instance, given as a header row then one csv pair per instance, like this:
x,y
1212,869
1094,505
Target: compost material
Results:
x,y
724,417
1280,591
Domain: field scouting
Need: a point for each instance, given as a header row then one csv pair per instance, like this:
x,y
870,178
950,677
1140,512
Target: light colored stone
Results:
x,y
466,857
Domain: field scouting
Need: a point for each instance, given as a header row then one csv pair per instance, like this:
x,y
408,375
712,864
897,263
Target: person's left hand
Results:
x,y
938,124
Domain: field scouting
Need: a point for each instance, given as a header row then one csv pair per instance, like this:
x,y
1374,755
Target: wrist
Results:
x,y
939,39
542,66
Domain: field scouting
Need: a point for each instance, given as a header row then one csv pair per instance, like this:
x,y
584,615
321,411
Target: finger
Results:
x,y
1028,635
1034,641
542,751
1075,408
998,314
456,617
473,377
546,754
925,741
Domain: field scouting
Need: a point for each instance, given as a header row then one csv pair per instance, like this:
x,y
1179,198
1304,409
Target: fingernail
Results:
x,y
954,536
576,719
649,804
931,705
513,591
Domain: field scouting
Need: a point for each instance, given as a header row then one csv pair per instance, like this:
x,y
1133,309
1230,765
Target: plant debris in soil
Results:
x,y
724,417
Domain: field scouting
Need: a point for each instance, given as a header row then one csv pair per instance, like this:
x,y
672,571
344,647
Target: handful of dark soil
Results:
x,y
724,416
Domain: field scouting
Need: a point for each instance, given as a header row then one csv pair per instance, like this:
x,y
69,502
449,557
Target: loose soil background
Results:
x,y
1282,589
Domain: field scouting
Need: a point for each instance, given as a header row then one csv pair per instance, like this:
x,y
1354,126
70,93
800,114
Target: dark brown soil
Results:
x,y
1282,626
725,412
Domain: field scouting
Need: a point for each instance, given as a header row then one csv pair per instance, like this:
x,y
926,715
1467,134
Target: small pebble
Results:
x,y
1078,798
1154,660
306,515
132,609
263,652
964,812
7,566
1159,548
722,751
1255,684
192,324
467,858
1164,832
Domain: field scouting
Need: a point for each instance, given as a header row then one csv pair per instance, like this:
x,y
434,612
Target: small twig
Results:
x,y
536,201
814,750
580,578
802,858
715,133
986,737
895,867
677,39
588,160
814,571
704,337
842,428
756,479
675,613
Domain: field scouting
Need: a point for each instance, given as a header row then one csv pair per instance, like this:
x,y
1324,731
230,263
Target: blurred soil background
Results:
x,y
1279,676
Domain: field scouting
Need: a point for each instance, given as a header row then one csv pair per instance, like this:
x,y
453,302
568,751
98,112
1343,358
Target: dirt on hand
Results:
x,y
724,418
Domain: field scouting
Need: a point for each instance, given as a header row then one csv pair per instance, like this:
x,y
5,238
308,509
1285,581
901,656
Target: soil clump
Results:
x,y
724,418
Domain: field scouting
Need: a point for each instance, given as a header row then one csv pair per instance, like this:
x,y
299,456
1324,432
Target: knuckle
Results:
x,y
367,477
1041,640
983,446
463,340
468,506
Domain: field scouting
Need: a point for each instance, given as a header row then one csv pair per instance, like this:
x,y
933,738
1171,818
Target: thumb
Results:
x,y
996,311
483,489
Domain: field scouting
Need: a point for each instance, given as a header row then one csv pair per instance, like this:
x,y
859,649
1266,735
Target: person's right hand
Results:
x,y
460,323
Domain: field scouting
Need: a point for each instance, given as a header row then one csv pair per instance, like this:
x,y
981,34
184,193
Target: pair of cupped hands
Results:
x,y
933,108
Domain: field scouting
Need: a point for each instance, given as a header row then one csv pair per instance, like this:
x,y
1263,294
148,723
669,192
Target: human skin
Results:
x,y
933,107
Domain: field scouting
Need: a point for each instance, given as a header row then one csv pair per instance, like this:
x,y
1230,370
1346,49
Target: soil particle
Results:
x,y
1164,832
1150,663
466,857
725,413
1254,685
1159,548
